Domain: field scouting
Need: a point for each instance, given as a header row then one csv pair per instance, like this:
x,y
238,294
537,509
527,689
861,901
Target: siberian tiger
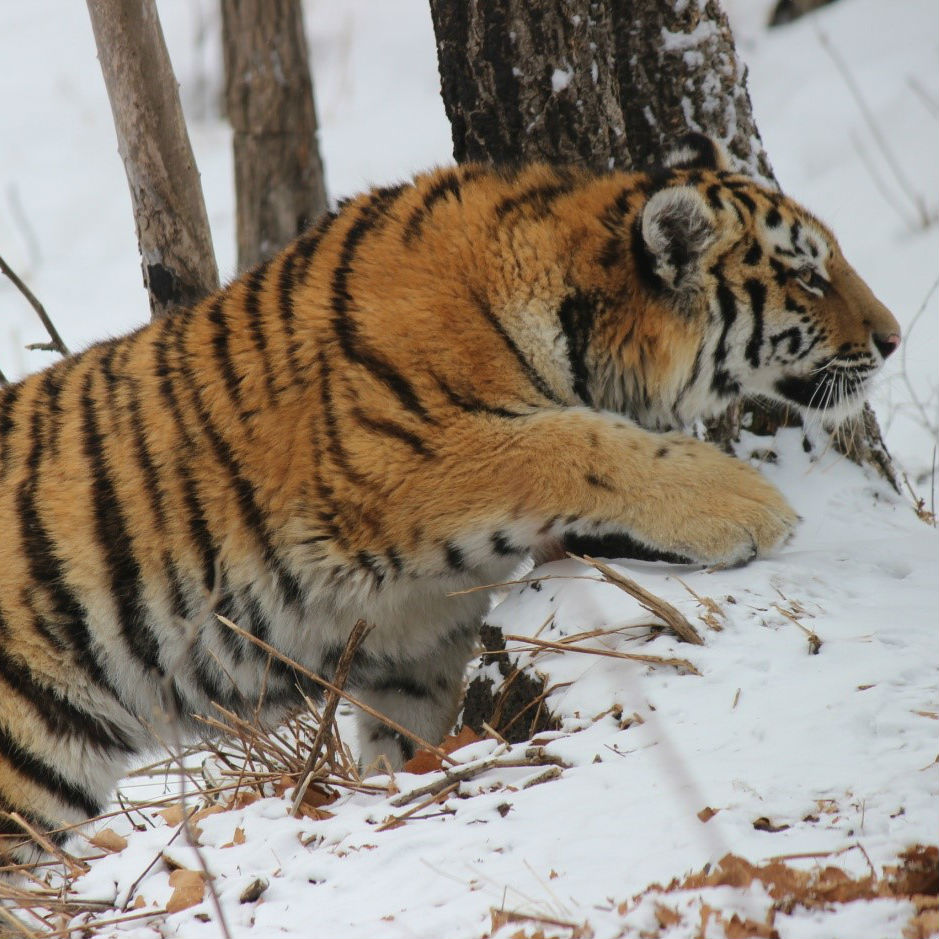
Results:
x,y
431,384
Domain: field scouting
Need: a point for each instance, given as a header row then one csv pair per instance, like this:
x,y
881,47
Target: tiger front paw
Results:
x,y
714,509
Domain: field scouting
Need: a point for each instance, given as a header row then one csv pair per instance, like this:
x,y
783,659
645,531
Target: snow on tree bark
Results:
x,y
178,261
269,97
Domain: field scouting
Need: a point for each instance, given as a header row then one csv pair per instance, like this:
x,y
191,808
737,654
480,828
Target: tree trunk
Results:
x,y
178,261
269,96
608,83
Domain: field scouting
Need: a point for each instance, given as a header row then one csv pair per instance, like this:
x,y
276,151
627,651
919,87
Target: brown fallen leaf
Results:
x,y
237,838
666,916
172,814
252,893
188,890
764,824
707,813
737,928
108,840
426,762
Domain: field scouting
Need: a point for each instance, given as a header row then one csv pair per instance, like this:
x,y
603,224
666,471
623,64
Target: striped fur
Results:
x,y
428,386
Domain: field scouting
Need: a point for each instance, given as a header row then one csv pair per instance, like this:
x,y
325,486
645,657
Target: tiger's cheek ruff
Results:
x,y
432,384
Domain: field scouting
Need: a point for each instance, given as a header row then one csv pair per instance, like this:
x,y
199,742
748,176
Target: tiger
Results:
x,y
435,382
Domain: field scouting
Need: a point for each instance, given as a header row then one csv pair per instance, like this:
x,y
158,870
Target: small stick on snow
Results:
x,y
683,664
534,756
665,611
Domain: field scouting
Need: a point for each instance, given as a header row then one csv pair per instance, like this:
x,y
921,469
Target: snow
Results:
x,y
838,746
561,78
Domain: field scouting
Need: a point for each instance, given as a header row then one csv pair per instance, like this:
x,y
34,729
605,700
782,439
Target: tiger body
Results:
x,y
432,384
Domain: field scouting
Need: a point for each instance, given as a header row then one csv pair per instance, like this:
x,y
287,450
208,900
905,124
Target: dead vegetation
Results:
x,y
306,762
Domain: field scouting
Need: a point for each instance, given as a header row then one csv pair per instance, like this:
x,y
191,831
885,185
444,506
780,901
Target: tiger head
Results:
x,y
763,284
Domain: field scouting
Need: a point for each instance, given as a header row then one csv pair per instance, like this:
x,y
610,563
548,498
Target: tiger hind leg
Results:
x,y
422,694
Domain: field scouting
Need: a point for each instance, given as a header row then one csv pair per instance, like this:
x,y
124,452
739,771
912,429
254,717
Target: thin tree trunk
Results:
x,y
269,96
178,261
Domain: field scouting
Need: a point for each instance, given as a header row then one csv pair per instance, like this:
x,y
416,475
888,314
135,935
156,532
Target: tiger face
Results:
x,y
780,312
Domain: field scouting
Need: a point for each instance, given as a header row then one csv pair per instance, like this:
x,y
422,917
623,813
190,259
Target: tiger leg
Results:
x,y
420,693
516,484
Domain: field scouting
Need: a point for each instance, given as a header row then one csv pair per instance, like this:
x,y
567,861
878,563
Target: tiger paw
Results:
x,y
714,509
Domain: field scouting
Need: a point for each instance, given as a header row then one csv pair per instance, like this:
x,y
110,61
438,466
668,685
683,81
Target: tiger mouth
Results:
x,y
827,389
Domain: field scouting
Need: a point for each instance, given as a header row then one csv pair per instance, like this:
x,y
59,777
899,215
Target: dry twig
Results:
x,y
329,686
326,728
56,345
656,605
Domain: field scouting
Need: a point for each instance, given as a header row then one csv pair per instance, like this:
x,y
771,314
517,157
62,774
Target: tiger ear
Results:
x,y
677,226
697,151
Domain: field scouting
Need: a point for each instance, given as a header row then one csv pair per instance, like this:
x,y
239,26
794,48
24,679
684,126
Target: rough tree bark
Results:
x,y
269,98
172,226
603,83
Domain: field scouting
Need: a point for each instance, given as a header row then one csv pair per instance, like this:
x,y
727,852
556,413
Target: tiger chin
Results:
x,y
427,387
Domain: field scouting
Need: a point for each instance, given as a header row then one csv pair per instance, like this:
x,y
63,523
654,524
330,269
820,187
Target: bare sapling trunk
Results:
x,y
172,226
269,98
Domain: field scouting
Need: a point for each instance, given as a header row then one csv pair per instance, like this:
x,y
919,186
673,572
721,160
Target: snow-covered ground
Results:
x,y
835,750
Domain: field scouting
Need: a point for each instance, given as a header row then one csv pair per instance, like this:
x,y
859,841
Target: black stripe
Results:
x,y
357,350
744,200
244,489
400,682
772,218
540,198
7,423
370,563
577,314
52,386
256,281
757,292
721,380
713,194
754,254
11,829
171,329
391,429
286,284
309,242
502,546
114,539
598,482
372,217
531,373
334,445
151,479
395,560
38,771
454,556
468,402
644,260
47,570
220,347
447,185
60,717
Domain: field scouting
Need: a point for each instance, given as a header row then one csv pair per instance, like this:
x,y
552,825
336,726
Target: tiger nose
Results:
x,y
886,345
